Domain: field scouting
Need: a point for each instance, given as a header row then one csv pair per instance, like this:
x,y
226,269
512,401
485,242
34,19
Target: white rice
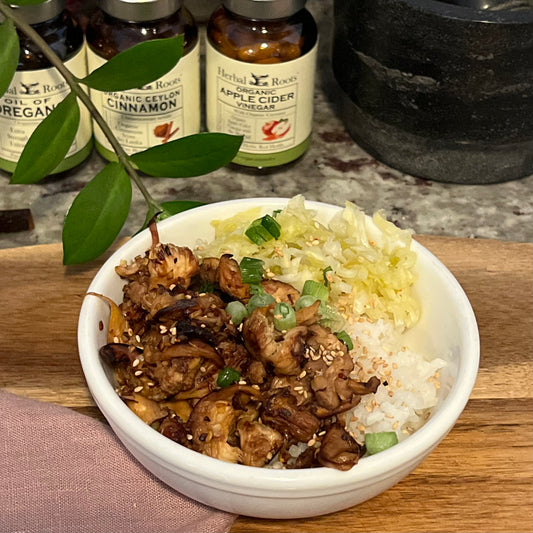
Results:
x,y
409,382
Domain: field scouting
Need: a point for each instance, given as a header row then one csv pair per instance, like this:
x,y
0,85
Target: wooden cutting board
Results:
x,y
478,480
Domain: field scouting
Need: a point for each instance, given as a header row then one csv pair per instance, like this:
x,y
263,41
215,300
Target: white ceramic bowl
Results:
x,y
447,328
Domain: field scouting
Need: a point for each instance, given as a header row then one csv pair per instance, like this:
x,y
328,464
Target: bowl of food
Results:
x,y
278,358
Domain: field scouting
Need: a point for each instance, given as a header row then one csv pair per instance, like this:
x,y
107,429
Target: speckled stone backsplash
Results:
x,y
334,170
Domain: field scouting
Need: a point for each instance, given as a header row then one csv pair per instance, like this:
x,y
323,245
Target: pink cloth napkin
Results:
x,y
64,472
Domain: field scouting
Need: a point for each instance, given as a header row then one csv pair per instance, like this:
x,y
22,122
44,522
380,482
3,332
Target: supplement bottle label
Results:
x,y
270,104
31,97
161,111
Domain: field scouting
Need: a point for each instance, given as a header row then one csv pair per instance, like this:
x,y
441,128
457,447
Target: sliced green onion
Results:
x,y
314,288
258,235
305,301
237,311
325,275
284,317
377,442
260,300
251,270
344,337
330,317
263,229
227,376
272,226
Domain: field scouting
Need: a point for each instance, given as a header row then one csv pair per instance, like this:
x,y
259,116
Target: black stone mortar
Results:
x,y
438,90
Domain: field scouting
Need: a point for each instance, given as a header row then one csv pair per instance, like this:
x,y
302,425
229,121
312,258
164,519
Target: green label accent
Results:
x,y
272,160
66,164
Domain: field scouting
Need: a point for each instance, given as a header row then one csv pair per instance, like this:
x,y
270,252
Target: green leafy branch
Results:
x,y
99,211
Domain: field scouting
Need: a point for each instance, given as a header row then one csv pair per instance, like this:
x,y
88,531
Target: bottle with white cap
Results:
x,y
260,72
37,87
162,111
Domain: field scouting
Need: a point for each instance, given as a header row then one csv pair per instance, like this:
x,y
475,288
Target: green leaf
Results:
x,y
194,155
9,54
151,213
97,215
49,143
137,66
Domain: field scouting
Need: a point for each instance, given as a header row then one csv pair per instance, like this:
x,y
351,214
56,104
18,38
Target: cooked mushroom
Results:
x,y
289,387
258,442
339,449
212,421
230,280
284,352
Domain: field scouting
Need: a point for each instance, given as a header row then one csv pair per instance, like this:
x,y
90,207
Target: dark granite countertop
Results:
x,y
334,170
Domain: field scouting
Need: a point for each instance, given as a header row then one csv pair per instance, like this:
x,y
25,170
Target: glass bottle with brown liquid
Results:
x,y
37,87
161,111
260,71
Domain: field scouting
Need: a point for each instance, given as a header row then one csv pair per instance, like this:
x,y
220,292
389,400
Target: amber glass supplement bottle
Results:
x,y
37,87
168,108
260,72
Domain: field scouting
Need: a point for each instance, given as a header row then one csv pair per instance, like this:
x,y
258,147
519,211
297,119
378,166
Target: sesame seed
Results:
x,y
138,389
395,425
311,442
135,363
116,339
138,372
137,338
302,374
360,427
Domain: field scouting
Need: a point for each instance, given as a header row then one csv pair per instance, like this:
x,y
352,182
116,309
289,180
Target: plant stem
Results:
x,y
73,83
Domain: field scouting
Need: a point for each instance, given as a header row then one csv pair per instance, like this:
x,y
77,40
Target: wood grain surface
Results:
x,y
479,479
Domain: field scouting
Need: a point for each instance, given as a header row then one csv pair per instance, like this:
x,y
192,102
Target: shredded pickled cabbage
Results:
x,y
371,260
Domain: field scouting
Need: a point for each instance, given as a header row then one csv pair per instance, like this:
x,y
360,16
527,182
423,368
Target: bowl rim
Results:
x,y
280,483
